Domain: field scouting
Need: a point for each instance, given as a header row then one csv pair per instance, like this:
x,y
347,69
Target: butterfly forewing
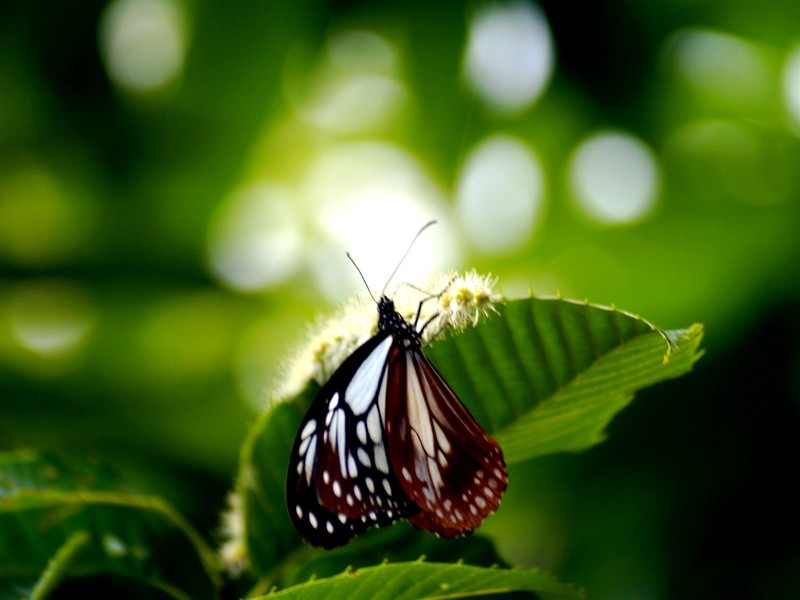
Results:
x,y
444,460
340,481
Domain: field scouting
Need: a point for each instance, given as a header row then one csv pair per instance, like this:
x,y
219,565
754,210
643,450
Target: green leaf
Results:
x,y
547,375
63,522
58,567
428,580
269,535
542,375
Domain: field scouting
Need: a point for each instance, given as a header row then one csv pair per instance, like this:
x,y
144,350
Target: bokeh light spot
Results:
x,y
715,160
371,198
721,69
352,88
614,177
509,55
144,43
254,238
49,323
359,50
39,222
500,194
355,104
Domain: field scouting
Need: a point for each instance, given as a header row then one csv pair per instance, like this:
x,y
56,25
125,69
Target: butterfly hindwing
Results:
x,y
444,460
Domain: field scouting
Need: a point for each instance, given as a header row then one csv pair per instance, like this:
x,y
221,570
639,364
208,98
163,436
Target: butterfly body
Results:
x,y
387,439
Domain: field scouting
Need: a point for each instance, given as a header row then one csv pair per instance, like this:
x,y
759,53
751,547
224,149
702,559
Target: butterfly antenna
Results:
x,y
411,245
369,291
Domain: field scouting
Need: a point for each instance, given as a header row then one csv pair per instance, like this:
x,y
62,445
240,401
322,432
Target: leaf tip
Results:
x,y
677,338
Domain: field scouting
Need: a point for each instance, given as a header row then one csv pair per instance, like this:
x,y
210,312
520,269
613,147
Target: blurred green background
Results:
x,y
179,182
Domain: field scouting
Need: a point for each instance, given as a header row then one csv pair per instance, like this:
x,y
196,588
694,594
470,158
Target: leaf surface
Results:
x,y
424,580
541,375
63,521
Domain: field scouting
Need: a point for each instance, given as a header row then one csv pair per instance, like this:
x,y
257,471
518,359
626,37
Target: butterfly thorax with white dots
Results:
x,y
392,321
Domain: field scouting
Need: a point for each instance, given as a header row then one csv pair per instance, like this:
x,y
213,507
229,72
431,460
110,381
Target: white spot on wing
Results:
x,y
436,476
308,429
441,438
351,466
418,415
374,426
309,459
381,462
363,387
361,431
304,446
419,464
338,439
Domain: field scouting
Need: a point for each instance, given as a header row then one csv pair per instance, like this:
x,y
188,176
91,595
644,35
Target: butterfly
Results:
x,y
387,439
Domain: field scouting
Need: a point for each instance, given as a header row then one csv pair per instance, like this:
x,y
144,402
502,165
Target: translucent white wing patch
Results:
x,y
361,390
